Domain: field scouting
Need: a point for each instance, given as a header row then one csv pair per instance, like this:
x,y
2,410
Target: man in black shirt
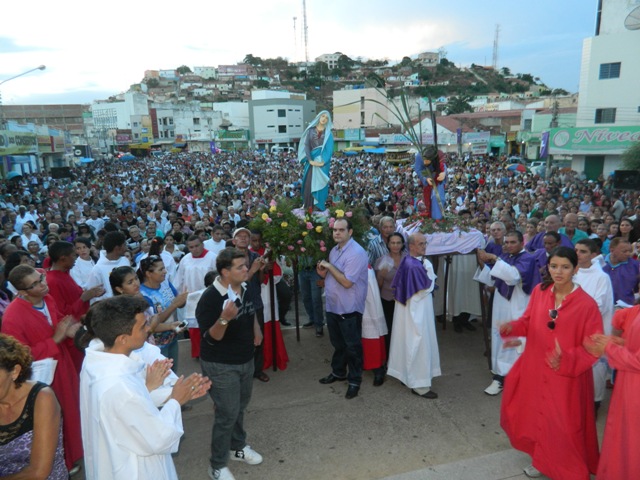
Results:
x,y
230,332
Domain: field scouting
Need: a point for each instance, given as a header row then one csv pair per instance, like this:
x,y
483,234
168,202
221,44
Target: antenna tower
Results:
x,y
295,40
495,48
305,30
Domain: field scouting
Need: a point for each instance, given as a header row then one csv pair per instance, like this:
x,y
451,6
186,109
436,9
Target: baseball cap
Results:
x,y
242,229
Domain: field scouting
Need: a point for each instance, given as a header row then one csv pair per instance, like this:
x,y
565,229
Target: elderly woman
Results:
x,y
30,419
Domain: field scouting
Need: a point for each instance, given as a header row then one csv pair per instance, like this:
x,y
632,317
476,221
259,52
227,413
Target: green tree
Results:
x,y
249,59
631,157
459,104
183,69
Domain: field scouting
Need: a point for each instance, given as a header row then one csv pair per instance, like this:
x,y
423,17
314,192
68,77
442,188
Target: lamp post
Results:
x,y
41,67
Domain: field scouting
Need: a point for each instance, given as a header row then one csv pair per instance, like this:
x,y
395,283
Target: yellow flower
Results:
x,y
304,234
339,213
273,208
319,229
264,216
284,224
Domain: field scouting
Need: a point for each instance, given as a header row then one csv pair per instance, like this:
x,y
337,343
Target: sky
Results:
x,y
93,50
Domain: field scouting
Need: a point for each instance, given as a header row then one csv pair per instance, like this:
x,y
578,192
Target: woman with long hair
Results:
x,y
547,405
164,299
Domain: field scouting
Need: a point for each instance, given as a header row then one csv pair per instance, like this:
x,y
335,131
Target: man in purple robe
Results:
x,y
623,271
551,224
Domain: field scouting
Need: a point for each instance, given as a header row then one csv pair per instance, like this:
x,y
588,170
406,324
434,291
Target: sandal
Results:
x,y
263,377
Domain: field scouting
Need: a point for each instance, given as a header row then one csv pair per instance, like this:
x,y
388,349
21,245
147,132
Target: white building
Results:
x,y
117,115
608,118
208,73
277,120
330,59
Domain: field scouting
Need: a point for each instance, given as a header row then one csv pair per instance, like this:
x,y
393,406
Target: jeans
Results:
x,y
345,333
231,391
170,350
311,296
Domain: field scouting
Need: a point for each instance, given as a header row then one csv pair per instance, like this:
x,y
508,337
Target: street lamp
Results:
x,y
41,67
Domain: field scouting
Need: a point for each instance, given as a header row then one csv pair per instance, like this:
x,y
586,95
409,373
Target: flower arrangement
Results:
x,y
447,224
289,230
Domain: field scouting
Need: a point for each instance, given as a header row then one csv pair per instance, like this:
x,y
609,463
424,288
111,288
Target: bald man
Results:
x,y
571,230
551,224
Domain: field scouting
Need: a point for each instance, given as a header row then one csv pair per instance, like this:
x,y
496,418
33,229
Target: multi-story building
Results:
x,y
608,117
279,118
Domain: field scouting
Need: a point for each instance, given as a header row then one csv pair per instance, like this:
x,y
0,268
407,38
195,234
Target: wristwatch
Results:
x,y
223,322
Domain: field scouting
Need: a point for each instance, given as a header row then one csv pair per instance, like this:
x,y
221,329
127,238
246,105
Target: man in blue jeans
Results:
x,y
230,332
311,293
346,282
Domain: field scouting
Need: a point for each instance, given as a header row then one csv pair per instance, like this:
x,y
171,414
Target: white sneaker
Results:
x,y
220,474
532,472
246,455
494,389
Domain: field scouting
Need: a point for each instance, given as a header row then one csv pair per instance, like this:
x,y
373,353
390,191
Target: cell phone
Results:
x,y
184,324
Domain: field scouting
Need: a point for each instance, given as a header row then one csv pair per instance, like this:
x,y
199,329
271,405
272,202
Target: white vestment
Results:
x,y
597,284
413,355
124,435
502,359
191,272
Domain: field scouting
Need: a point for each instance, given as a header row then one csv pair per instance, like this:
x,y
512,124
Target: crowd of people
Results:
x,y
112,266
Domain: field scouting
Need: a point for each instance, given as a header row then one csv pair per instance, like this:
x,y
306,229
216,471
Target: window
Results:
x,y
605,115
609,70
282,129
282,113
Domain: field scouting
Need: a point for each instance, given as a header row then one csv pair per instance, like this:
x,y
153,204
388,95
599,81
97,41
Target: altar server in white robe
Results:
x,y
124,434
597,284
514,273
414,358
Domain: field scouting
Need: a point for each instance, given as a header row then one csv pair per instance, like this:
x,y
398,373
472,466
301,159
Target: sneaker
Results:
x,y
532,472
220,474
494,389
246,455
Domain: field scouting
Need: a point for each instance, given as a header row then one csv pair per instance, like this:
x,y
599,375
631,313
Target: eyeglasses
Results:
x,y
43,277
553,314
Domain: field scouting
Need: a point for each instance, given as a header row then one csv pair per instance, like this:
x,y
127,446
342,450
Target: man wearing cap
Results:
x,y
190,278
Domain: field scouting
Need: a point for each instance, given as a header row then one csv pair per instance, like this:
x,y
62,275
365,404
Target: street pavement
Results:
x,y
309,431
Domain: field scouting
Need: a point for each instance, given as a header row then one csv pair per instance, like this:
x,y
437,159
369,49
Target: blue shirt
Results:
x,y
352,261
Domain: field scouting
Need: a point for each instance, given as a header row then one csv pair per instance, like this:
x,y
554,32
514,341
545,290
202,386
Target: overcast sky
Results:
x,y
96,49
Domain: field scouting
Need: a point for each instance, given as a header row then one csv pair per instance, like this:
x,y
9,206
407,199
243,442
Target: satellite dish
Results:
x,y
632,22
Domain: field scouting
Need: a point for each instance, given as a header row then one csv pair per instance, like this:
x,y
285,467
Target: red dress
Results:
x,y
66,292
619,459
550,414
31,328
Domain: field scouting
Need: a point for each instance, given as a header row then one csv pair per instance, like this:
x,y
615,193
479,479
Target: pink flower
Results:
x,y
323,249
302,249
309,226
290,247
349,214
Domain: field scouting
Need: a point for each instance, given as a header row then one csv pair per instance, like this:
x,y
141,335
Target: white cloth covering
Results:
x,y
373,323
502,359
597,284
124,434
414,358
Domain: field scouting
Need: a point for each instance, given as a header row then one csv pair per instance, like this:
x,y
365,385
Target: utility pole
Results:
x,y
495,48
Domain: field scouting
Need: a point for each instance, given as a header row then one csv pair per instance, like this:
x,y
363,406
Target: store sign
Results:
x,y
588,140
17,143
